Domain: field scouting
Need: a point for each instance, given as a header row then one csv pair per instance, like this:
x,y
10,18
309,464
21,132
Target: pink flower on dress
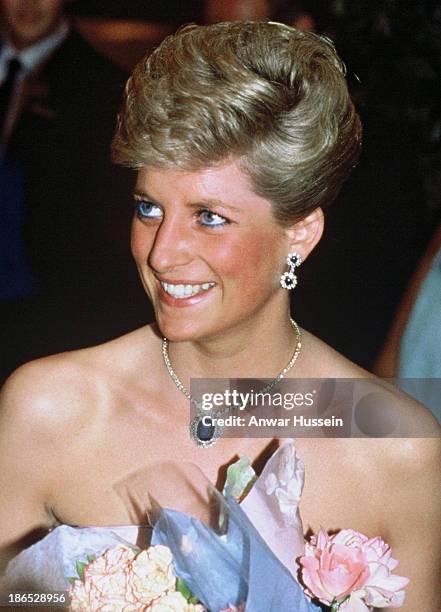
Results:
x,y
350,565
231,608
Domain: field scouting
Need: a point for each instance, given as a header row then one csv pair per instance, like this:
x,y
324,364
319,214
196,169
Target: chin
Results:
x,y
184,331
175,333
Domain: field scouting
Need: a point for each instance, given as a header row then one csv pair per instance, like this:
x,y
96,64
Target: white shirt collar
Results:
x,y
32,56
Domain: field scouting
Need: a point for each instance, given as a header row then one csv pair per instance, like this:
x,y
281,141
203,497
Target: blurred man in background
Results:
x,y
232,10
63,260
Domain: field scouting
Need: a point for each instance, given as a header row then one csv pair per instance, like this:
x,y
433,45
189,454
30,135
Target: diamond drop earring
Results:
x,y
288,280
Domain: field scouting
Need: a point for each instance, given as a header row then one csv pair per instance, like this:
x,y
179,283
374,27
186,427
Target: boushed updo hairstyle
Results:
x,y
264,94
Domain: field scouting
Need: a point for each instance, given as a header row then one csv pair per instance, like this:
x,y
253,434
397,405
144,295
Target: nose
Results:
x,y
171,247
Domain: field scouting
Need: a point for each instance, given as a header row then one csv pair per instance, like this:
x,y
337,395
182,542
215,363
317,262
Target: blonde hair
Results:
x,y
267,95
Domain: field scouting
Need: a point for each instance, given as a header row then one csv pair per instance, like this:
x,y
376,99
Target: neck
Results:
x,y
259,349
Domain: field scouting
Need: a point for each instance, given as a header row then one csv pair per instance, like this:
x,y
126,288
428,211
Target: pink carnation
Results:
x,y
121,580
105,583
349,563
173,601
151,574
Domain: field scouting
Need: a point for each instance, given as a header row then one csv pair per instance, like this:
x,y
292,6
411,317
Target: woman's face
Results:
x,y
208,250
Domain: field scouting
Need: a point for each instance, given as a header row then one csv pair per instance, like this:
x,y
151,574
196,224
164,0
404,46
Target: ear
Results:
x,y
305,234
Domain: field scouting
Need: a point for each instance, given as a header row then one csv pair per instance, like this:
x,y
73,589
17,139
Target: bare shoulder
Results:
x,y
396,461
376,402
46,393
59,391
53,412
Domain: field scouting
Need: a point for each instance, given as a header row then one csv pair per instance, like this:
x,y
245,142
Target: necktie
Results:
x,y
7,89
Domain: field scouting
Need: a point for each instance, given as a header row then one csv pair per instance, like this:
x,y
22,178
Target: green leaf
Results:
x,y
240,478
80,569
72,580
91,558
182,587
336,605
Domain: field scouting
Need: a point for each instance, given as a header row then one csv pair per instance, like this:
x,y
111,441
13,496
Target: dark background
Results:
x,y
377,230
164,11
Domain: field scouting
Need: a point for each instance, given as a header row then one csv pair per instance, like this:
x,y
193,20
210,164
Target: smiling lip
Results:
x,y
178,302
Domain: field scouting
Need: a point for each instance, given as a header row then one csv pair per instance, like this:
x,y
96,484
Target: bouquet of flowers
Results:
x,y
228,568
226,555
243,551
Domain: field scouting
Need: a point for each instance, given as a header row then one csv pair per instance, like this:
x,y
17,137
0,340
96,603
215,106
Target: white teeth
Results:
x,y
183,291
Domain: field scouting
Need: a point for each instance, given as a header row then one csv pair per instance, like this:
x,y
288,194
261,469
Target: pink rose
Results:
x,y
382,589
332,570
349,563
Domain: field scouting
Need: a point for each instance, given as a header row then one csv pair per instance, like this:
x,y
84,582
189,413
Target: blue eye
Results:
x,y
209,218
147,210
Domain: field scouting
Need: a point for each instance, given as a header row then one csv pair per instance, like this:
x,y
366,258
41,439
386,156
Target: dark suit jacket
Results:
x,y
62,140
77,212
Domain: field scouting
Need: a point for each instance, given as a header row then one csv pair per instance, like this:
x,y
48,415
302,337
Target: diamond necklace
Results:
x,y
204,435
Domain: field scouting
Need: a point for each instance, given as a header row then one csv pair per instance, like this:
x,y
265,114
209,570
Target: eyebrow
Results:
x,y
208,203
212,203
138,193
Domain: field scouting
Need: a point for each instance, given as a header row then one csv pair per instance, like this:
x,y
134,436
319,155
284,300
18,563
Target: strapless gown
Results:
x,y
271,505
